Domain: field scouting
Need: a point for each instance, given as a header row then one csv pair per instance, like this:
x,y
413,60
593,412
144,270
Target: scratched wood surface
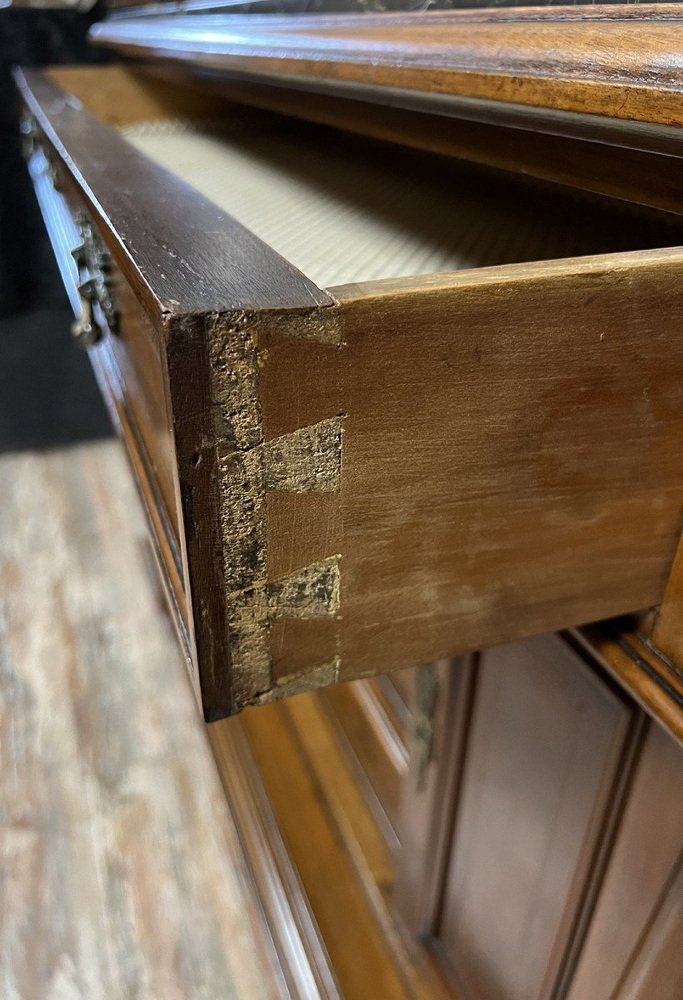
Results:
x,y
121,874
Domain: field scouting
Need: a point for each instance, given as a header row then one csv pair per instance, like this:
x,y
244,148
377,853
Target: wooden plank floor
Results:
x,y
120,870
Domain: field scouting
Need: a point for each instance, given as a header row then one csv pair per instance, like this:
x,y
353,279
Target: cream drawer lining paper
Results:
x,y
342,211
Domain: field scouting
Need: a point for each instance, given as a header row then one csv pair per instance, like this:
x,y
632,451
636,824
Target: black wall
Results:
x,y
47,391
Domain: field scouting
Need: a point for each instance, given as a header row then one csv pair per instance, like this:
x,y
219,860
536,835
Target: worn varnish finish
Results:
x,y
203,305
334,522
122,871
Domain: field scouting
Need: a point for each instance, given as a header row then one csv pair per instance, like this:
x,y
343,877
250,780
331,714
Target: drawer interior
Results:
x,y
344,209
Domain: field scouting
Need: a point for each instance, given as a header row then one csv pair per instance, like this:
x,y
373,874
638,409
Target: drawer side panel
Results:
x,y
511,450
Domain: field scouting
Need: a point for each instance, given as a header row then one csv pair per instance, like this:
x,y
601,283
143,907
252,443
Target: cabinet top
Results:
x,y
609,73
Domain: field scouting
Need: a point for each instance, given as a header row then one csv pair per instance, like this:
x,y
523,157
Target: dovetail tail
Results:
x,y
309,592
305,460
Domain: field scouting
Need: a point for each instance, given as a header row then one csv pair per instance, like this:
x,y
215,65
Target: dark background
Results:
x,y
47,390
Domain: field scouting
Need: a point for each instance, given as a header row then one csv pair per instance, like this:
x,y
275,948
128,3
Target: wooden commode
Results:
x,y
387,309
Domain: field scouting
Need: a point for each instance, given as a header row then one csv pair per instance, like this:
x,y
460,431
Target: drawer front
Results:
x,y
128,359
384,474
137,355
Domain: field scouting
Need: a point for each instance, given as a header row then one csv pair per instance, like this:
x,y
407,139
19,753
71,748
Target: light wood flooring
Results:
x,y
121,870
121,875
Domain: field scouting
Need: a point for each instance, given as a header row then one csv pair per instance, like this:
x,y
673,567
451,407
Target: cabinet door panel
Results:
x,y
656,971
542,756
630,945
374,737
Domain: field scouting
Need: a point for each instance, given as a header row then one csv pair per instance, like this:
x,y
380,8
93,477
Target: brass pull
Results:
x,y
79,255
97,310
426,692
85,329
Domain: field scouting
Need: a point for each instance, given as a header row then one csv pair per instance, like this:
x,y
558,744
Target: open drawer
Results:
x,y
462,427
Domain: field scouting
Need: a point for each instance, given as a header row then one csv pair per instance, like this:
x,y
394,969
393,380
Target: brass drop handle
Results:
x,y
426,690
79,255
85,329
97,310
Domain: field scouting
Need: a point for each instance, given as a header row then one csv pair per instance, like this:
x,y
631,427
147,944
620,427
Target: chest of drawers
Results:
x,y
400,410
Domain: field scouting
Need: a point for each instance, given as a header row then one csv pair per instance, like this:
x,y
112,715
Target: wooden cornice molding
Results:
x,y
611,74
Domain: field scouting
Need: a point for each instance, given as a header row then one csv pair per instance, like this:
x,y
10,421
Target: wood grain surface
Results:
x,y
489,437
553,72
330,826
121,872
485,891
544,752
119,95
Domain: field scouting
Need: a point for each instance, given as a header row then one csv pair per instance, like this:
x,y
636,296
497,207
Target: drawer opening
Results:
x,y
344,209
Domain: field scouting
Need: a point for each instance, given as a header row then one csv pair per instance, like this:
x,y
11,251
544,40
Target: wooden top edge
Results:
x,y
596,266
624,69
479,15
181,253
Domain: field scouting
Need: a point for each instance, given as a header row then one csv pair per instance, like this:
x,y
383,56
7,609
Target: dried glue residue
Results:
x,y
309,592
305,460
